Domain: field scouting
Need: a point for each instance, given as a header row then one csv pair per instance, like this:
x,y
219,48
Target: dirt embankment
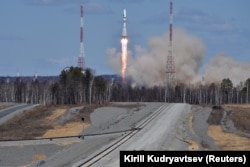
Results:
x,y
240,116
26,125
41,122
66,129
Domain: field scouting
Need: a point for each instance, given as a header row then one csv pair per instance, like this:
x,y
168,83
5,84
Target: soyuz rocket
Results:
x,y
124,49
124,31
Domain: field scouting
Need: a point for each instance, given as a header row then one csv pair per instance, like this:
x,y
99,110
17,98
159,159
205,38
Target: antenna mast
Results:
x,y
81,58
171,74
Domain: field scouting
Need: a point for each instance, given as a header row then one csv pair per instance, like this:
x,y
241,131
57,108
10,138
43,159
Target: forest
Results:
x,y
76,86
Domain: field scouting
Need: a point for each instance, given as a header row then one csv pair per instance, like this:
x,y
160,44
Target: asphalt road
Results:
x,y
9,110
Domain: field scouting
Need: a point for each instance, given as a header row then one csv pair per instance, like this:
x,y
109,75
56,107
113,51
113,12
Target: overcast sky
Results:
x,y
42,36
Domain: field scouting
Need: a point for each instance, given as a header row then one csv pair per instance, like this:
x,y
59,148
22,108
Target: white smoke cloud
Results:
x,y
222,66
114,59
148,66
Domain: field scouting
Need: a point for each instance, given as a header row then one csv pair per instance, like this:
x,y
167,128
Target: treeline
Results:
x,y
214,93
76,86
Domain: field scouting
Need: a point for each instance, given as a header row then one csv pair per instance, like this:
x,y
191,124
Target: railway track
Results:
x,y
124,138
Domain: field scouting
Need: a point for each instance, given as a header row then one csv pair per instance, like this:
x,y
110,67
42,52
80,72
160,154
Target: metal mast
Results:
x,y
124,54
81,58
171,74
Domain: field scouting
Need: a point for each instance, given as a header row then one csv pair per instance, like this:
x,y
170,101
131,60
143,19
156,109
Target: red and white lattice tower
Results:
x,y
81,58
171,74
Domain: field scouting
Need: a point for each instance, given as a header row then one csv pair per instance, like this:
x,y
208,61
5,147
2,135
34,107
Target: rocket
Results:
x,y
124,15
124,31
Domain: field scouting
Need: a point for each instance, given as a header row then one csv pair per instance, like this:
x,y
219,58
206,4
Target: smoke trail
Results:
x,y
221,67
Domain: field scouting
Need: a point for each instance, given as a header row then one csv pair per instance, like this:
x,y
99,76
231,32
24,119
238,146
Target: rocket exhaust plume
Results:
x,y
124,55
147,65
124,49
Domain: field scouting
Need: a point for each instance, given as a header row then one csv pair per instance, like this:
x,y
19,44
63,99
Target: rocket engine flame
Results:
x,y
124,54
124,57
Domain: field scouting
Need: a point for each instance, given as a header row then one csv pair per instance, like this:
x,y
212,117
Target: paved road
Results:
x,y
10,112
157,134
